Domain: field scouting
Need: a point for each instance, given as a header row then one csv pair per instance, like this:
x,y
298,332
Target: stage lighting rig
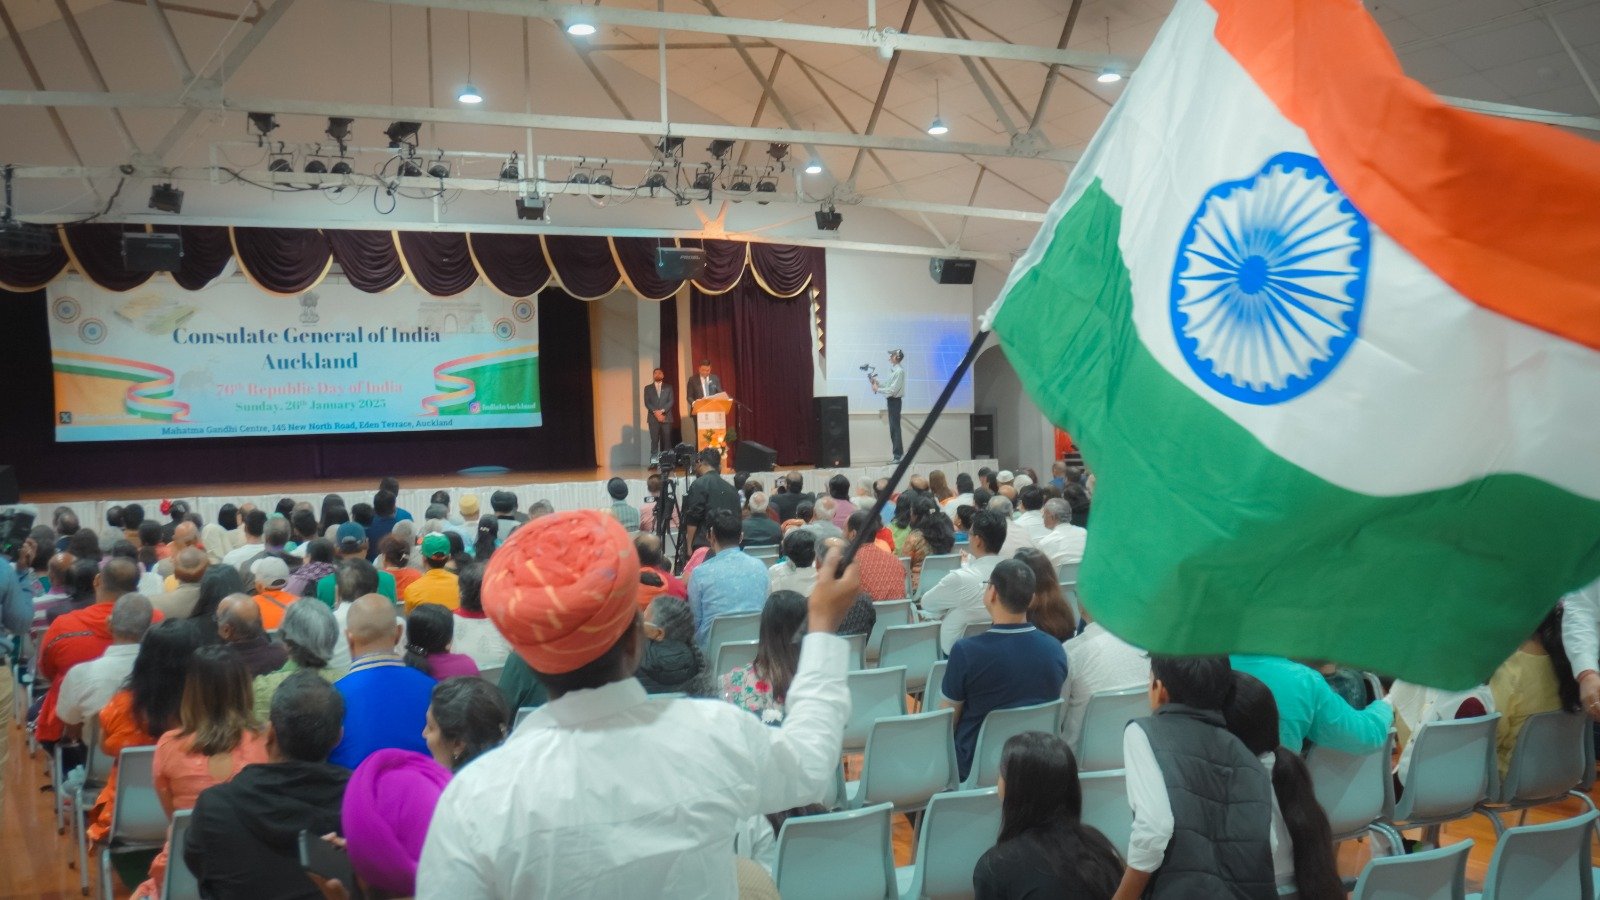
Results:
x,y
778,152
703,179
262,124
402,134
409,169
280,164
166,198
767,185
670,146
510,172
530,208
439,170
656,179
719,150
829,219
339,130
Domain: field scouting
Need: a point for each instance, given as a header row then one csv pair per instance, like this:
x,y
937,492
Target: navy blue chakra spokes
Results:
x,y
1269,281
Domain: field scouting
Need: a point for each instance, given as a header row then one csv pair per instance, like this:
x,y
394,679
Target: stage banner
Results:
x,y
229,361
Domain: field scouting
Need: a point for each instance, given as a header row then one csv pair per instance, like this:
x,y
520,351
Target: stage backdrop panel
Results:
x,y
228,361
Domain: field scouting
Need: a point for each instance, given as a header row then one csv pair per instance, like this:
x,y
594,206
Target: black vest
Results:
x,y
1221,809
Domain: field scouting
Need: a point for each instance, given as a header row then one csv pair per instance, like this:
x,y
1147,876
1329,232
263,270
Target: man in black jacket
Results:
x,y
708,494
243,840
660,404
789,499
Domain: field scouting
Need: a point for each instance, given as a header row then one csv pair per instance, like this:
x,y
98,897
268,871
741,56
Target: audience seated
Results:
x,y
1012,664
763,685
620,508
429,632
679,777
475,636
1062,541
790,495
957,600
90,685
823,514
383,521
731,581
239,629
655,572
78,637
1190,837
1309,710
319,563
1044,848
387,808
1016,538
1097,660
219,583
217,736
1031,499
145,707
1302,841
437,584
467,718
1536,678
188,567
882,576
796,570
310,633
672,661
930,534
1416,705
394,557
252,526
385,700
759,530
184,536
244,834
271,576
350,543
1049,612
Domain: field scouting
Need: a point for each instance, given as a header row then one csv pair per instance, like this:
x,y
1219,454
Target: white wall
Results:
x,y
1022,434
624,341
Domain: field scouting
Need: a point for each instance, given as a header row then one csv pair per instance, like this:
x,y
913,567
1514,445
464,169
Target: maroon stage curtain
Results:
x,y
206,254
282,260
725,264
638,258
513,264
668,358
369,259
760,345
97,248
21,274
439,261
584,265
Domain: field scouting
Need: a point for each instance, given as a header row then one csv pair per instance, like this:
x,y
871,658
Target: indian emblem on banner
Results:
x,y
1269,281
308,308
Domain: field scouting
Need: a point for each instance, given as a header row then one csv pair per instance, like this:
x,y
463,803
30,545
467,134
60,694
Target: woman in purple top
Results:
x,y
429,631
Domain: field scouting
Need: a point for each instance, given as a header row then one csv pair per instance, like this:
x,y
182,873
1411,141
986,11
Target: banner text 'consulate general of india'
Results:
x,y
229,361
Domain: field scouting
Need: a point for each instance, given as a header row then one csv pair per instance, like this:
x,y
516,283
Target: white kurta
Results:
x,y
1064,544
1580,628
607,793
957,600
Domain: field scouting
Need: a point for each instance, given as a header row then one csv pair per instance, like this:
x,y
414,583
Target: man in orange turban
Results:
x,y
604,792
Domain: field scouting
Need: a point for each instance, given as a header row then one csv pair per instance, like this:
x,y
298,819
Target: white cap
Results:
x,y
1005,476
1021,482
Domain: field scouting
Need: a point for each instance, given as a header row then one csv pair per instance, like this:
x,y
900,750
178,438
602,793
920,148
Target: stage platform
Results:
x,y
569,489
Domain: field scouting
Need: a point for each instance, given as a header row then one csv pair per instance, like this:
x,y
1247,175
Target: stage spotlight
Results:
x,y
469,95
1108,76
777,152
581,24
938,127
703,179
341,168
766,186
740,185
719,149
603,179
264,123
339,129
828,219
166,198
531,208
409,169
438,170
316,167
814,166
670,146
510,172
657,179
579,177
402,133
280,164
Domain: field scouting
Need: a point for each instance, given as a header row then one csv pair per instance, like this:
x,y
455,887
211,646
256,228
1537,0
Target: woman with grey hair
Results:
x,y
672,662
310,632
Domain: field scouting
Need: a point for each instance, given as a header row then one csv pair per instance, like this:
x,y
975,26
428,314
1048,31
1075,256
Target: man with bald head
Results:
x,y
58,600
89,686
239,627
78,637
188,565
385,700
184,536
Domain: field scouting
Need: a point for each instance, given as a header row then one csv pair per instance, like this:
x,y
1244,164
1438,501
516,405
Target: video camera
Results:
x,y
15,523
869,368
679,457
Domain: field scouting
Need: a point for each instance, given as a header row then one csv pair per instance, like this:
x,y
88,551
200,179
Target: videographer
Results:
x,y
893,387
708,494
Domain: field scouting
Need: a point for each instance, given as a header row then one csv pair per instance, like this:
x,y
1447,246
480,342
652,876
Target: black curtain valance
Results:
x,y
289,261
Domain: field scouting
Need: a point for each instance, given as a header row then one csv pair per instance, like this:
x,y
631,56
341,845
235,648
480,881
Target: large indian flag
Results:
x,y
1329,346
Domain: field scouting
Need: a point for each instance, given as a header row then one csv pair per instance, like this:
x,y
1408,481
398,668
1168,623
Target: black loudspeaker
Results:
x,y
952,271
8,485
158,252
833,431
982,435
750,456
679,263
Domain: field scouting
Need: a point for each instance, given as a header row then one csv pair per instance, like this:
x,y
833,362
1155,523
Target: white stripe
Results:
x,y
1436,392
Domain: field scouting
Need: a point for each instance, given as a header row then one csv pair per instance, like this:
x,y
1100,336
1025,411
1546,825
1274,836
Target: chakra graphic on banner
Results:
x,y
1269,281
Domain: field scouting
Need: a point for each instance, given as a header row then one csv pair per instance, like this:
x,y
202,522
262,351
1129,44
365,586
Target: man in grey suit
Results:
x,y
659,406
701,386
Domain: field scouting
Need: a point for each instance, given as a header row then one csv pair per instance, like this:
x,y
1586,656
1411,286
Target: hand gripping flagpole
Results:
x,y
916,444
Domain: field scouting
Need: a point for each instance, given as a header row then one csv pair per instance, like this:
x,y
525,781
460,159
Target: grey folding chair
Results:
x,y
1542,862
935,567
874,694
1355,791
735,655
179,883
975,628
908,760
998,727
837,856
933,691
96,772
736,627
890,612
1426,875
1105,805
1548,764
767,553
1452,771
1104,719
916,647
491,674
956,829
138,822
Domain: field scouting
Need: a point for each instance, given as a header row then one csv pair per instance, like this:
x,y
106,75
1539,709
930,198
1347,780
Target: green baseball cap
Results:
x,y
436,544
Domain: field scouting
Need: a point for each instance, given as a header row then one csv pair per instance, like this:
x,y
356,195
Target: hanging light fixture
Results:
x,y
937,126
581,24
1108,75
814,166
469,93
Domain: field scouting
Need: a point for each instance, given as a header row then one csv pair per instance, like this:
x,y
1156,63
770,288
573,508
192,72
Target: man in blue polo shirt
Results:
x,y
1012,664
385,700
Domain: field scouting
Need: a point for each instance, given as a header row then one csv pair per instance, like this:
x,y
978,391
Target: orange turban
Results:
x,y
563,588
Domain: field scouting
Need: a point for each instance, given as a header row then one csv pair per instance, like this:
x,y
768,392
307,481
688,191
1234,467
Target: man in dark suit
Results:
x,y
787,502
708,494
701,386
659,406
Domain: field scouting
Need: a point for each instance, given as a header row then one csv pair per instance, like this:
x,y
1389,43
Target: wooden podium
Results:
x,y
711,424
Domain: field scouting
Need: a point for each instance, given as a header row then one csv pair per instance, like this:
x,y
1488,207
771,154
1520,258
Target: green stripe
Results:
x,y
1202,540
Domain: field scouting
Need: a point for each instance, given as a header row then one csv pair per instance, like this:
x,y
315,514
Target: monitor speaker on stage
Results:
x,y
952,271
982,435
833,431
8,485
679,263
750,456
